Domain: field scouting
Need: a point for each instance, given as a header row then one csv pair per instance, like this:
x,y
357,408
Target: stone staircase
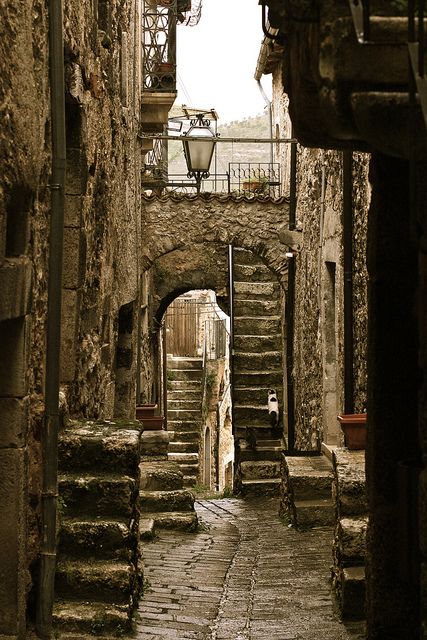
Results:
x,y
184,414
257,368
98,576
164,503
306,491
348,572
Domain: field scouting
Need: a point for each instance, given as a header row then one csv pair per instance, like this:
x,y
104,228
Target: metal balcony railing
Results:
x,y
159,46
242,178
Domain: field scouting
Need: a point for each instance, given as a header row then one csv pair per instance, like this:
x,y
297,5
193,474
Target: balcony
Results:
x,y
159,62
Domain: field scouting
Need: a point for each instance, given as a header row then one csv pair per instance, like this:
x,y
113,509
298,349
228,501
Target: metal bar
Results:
x,y
366,20
159,136
421,6
45,596
348,280
290,307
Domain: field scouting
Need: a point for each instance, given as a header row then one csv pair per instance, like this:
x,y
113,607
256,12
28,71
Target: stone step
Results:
x,y
350,482
184,414
256,379
352,593
93,580
243,256
89,617
255,395
183,447
350,540
308,477
261,454
183,404
154,501
248,416
248,325
100,538
154,443
184,394
267,360
311,513
257,308
184,385
184,458
158,476
260,487
183,521
177,362
255,290
260,470
146,529
186,436
257,344
100,446
182,426
190,375
102,495
190,480
252,273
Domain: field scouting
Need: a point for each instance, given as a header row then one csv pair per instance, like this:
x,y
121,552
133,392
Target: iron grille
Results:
x,y
159,46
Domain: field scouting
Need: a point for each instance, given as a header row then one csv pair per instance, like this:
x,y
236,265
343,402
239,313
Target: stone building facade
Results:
x,y
101,275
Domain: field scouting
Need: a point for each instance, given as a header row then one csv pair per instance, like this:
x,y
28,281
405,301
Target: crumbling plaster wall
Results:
x,y
103,198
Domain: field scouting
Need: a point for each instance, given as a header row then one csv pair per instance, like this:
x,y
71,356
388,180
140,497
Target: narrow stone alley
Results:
x,y
245,575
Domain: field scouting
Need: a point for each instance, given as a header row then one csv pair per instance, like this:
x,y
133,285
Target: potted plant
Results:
x,y
145,410
255,184
353,426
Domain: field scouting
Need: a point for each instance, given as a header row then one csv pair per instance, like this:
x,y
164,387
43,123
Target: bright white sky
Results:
x,y
216,60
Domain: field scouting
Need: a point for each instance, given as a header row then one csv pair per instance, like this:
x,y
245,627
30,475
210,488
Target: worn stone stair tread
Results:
x,y
260,469
102,536
77,616
177,500
184,457
104,494
314,512
97,580
146,528
163,475
182,520
99,445
351,536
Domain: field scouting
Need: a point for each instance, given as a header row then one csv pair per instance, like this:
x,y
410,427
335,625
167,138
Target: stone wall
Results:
x,y
318,370
101,237
24,204
103,197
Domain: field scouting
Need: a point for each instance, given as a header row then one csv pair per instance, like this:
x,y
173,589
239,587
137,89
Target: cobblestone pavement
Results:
x,y
244,576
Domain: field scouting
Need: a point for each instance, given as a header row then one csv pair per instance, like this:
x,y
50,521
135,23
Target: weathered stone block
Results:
x,y
154,442
68,334
15,285
13,571
13,356
106,495
351,539
104,446
180,500
349,487
109,581
76,175
353,592
158,476
13,432
72,270
73,210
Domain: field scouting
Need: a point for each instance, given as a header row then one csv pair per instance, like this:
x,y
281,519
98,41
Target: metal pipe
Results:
x,y
231,336
51,418
270,117
348,280
159,136
290,305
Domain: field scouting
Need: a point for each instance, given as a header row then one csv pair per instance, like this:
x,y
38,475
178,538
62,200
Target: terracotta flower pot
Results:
x,y
353,426
153,423
145,411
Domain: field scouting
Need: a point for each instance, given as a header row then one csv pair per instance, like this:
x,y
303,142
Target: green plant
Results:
x,y
170,375
210,380
227,492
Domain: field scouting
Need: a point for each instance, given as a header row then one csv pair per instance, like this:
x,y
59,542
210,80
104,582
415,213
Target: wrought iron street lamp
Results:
x,y
198,153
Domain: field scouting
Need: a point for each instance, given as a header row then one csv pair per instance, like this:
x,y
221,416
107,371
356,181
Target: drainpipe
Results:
x,y
348,280
231,337
51,418
259,71
290,303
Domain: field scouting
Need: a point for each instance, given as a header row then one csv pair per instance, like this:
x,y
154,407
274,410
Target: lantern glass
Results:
x,y
198,153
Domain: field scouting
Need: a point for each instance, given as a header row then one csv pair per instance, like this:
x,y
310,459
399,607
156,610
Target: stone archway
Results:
x,y
258,224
